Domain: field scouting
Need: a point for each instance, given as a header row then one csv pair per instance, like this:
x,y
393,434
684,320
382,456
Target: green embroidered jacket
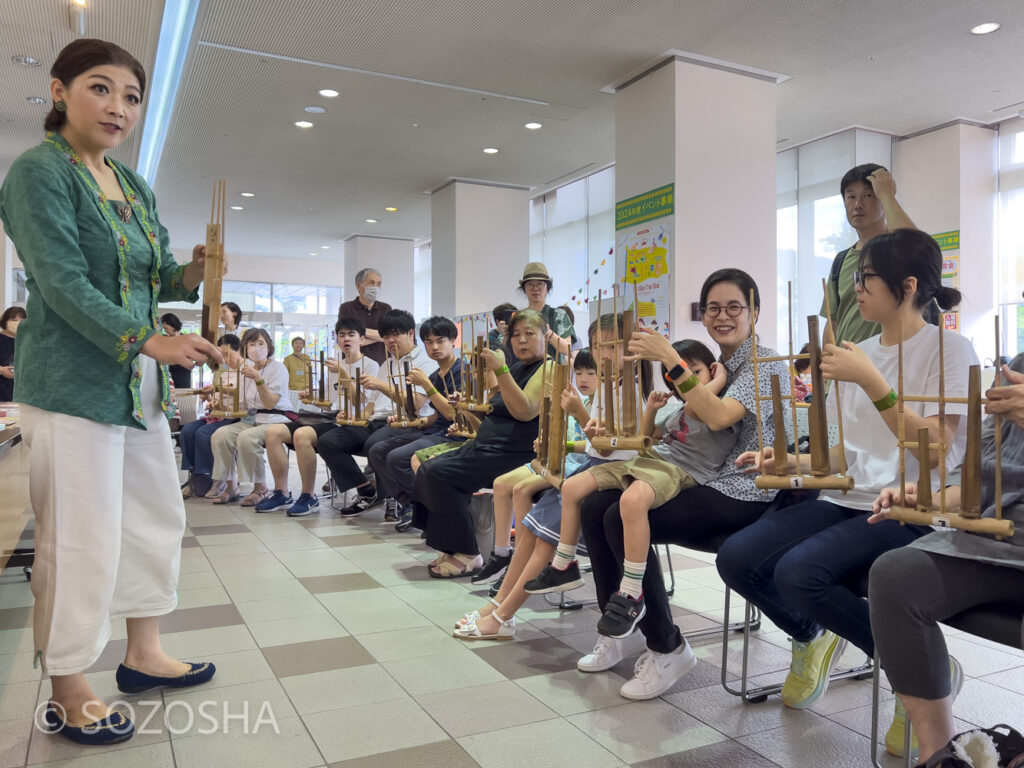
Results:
x,y
94,282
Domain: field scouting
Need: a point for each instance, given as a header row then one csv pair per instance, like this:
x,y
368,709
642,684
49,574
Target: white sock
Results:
x,y
564,556
633,578
502,551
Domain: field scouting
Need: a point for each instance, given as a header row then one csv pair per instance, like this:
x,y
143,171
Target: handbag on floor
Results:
x,y
981,748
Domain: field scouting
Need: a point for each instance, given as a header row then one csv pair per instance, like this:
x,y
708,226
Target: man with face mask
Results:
x,y
368,310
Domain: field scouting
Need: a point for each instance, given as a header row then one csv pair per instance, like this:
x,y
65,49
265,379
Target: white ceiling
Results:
x,y
896,66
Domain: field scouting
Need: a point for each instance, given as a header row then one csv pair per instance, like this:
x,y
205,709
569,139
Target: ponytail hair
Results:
x,y
904,253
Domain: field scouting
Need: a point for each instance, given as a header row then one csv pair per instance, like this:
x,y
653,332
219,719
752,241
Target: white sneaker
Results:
x,y
655,673
606,654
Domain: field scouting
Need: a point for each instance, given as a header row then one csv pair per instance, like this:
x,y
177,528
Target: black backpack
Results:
x,y
1009,745
931,312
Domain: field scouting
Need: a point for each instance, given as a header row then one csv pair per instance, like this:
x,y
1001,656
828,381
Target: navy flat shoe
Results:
x,y
110,730
133,681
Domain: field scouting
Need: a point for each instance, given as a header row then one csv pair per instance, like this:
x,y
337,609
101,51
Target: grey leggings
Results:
x,y
911,591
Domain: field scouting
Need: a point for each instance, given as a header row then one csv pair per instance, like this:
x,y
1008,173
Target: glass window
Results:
x,y
421,281
20,289
1010,274
302,299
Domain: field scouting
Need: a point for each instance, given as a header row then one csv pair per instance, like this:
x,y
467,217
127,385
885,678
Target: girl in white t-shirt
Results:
x,y
795,562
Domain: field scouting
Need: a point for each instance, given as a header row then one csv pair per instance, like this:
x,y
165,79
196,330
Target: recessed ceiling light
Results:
x,y
326,247
35,99
314,253
26,61
534,126
417,125
391,209
237,208
315,110
247,194
371,221
327,93
490,151
79,3
303,124
985,29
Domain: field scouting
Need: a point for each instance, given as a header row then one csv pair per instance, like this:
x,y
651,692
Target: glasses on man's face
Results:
x,y
732,309
859,277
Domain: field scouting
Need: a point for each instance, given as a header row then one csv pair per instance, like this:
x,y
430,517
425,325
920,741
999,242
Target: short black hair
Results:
x,y
10,313
349,324
396,321
904,253
235,310
230,340
858,173
438,326
805,364
584,361
691,349
172,320
503,312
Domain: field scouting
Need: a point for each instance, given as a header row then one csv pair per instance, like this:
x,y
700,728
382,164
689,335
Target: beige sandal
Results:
x,y
256,497
449,567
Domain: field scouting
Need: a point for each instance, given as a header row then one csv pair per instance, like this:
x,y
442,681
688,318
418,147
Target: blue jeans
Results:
x,y
794,563
196,451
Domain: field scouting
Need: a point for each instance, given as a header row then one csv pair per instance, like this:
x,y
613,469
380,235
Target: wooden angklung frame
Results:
x,y
236,411
213,267
403,405
927,511
554,423
619,398
821,476
320,399
350,406
471,403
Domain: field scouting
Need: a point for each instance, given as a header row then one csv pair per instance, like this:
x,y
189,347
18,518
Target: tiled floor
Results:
x,y
333,648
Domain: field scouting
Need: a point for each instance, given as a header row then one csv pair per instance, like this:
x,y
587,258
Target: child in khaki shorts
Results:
x,y
687,453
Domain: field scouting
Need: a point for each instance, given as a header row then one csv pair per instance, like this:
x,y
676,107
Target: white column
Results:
x,y
948,180
480,242
712,132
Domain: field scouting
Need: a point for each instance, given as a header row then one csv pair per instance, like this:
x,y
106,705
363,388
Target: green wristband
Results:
x,y
570,446
260,382
501,371
887,402
432,392
688,383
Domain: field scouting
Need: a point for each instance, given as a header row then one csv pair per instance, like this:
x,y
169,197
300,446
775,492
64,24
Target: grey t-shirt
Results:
x,y
690,444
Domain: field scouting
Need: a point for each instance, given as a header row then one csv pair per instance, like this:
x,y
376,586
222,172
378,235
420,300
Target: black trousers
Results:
x,y
695,516
444,486
339,446
384,442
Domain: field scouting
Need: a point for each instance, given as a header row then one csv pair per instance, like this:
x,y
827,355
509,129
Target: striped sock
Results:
x,y
633,579
564,555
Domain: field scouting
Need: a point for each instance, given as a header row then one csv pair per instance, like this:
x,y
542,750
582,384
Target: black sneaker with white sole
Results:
x,y
361,505
493,569
621,615
553,580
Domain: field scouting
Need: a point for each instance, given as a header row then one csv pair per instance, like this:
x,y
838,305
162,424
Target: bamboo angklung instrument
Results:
x,y
322,401
403,405
474,383
350,407
926,512
554,423
223,412
614,378
821,477
213,267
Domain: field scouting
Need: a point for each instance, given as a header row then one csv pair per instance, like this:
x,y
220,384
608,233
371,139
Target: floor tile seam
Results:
x,y
586,735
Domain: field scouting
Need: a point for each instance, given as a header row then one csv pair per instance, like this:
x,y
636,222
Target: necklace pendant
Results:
x,y
125,212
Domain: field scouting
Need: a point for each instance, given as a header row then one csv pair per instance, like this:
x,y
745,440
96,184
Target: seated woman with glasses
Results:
x,y
713,509
504,441
794,562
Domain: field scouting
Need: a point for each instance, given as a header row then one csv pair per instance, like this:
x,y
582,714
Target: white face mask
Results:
x,y
258,353
371,292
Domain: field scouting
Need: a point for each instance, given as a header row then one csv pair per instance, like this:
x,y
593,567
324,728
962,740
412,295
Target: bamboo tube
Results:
x,y
901,427
629,375
830,338
821,462
996,382
792,389
810,483
924,479
779,422
942,420
621,443
988,525
757,384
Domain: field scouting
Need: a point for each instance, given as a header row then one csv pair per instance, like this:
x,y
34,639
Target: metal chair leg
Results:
x,y
760,693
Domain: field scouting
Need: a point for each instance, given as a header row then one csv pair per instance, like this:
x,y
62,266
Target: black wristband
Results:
x,y
676,373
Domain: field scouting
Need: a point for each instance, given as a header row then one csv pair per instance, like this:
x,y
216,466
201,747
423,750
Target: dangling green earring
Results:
x,y
60,106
